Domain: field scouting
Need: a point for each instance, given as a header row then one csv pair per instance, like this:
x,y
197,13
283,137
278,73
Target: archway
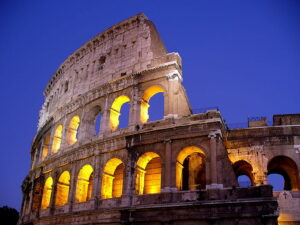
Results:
x,y
112,179
145,102
84,184
36,195
288,169
148,174
57,138
63,187
73,130
115,111
190,169
47,191
46,147
242,170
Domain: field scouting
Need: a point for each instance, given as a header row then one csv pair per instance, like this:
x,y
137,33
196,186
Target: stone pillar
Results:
x,y
213,160
31,197
97,180
168,172
135,108
171,102
53,194
72,191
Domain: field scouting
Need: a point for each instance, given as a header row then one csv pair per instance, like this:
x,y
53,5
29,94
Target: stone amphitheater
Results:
x,y
180,170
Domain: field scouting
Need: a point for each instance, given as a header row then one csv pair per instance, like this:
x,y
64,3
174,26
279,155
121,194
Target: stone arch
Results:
x,y
112,179
84,183
47,191
37,191
242,167
45,148
57,137
73,128
147,95
63,187
90,118
286,167
115,111
148,174
190,169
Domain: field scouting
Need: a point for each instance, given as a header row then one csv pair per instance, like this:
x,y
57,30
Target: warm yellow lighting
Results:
x,y
72,130
46,146
63,187
57,139
112,179
47,193
148,174
115,111
84,184
153,90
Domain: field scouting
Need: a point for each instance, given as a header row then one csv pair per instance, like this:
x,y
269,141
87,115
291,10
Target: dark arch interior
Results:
x,y
242,170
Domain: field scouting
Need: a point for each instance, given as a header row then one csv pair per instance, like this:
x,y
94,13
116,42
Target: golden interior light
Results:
x,y
72,130
112,179
47,193
63,187
148,94
57,139
183,154
115,111
46,146
84,184
148,174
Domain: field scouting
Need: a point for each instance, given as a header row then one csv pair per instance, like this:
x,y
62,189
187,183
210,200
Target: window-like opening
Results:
x,y
112,179
124,119
277,181
63,187
145,103
57,139
102,60
287,168
72,134
243,170
84,184
36,195
66,86
115,111
148,174
46,145
190,169
98,123
47,191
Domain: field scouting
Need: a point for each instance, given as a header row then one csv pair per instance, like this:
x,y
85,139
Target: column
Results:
x,y
72,190
97,180
168,173
53,194
171,102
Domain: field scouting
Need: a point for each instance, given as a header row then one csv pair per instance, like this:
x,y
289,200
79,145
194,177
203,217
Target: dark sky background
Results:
x,y
242,56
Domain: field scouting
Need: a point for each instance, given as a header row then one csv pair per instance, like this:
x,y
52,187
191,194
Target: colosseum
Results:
x,y
180,170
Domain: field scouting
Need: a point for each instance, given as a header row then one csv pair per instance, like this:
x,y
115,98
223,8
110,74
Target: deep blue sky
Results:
x,y
243,56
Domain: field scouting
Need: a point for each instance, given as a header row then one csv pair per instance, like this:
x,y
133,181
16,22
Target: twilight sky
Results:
x,y
242,56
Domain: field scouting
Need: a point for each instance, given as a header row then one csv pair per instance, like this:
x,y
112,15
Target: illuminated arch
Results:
x,y
148,94
63,187
112,179
287,168
115,111
84,184
73,130
148,174
241,168
47,191
190,169
46,144
57,138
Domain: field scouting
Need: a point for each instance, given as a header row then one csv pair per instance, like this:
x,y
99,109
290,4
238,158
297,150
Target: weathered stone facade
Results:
x,y
179,170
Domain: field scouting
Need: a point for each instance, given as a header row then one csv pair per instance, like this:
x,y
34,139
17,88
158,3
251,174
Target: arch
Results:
x,y
73,130
63,187
148,174
242,167
190,169
84,184
115,111
286,167
112,179
36,195
47,191
148,94
46,145
57,138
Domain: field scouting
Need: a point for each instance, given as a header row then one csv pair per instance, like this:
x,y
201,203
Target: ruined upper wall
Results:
x,y
125,48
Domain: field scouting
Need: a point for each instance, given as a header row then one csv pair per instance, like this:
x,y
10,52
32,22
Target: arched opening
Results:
x,y
190,169
277,181
112,179
115,111
47,193
243,170
148,174
57,138
63,187
73,130
46,145
36,195
84,184
98,123
145,103
288,169
26,207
